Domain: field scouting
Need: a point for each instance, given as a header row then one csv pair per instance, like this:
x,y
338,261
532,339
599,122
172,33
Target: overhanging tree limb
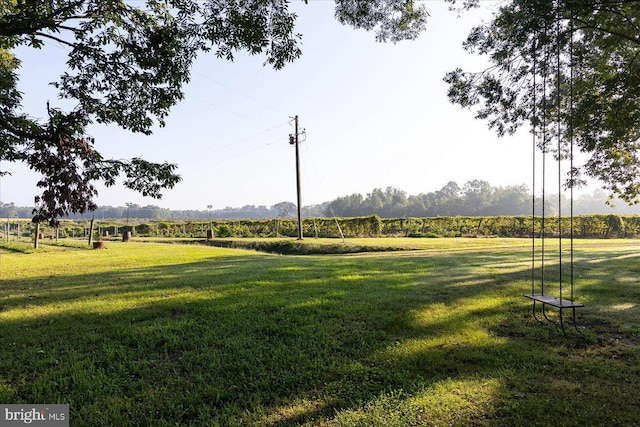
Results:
x,y
604,69
127,66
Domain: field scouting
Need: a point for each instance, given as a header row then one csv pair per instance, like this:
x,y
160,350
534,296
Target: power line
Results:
x,y
208,165
237,142
244,95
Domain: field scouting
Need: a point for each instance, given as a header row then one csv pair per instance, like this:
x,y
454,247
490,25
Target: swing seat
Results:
x,y
553,301
560,303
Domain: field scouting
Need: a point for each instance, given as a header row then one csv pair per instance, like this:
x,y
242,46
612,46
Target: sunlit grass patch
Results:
x,y
465,311
290,412
148,334
446,402
623,306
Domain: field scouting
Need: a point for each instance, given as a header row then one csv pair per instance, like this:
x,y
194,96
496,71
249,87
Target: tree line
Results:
x,y
474,198
132,210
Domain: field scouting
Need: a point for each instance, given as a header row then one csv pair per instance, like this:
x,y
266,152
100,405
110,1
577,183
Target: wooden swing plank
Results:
x,y
551,300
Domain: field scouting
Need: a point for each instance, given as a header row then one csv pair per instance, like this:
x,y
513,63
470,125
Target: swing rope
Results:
x,y
571,141
533,168
559,136
546,69
545,142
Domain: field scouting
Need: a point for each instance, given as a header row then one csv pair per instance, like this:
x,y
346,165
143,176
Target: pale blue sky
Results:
x,y
375,115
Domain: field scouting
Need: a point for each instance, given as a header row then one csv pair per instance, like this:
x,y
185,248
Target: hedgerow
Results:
x,y
583,226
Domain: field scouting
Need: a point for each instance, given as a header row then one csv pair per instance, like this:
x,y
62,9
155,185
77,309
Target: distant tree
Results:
x,y
447,199
127,64
510,200
285,209
8,210
351,205
315,210
597,74
478,196
599,202
375,201
418,205
396,202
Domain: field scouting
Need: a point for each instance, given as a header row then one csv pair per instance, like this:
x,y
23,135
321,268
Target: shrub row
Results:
x,y
292,247
584,226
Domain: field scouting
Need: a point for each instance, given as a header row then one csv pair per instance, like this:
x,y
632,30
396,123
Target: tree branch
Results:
x,y
72,29
587,25
29,21
623,16
59,40
7,125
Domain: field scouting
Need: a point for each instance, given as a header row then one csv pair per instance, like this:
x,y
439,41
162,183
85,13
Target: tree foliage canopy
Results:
x,y
127,64
570,68
475,197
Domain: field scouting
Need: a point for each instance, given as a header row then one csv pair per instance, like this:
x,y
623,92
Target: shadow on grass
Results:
x,y
283,341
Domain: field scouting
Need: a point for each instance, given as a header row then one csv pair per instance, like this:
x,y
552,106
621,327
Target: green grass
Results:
x,y
155,334
312,246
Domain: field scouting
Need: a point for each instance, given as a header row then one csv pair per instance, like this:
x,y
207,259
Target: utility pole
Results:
x,y
294,140
210,230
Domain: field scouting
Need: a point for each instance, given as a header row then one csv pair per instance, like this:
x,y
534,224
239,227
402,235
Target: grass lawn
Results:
x,y
157,334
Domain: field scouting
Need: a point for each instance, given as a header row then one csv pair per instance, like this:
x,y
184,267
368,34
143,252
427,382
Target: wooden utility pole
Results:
x,y
37,236
294,140
91,231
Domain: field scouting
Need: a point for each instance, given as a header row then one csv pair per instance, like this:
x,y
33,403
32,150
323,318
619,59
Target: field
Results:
x,y
147,333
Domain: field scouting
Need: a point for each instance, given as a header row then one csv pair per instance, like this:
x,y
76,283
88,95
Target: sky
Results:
x,y
375,115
